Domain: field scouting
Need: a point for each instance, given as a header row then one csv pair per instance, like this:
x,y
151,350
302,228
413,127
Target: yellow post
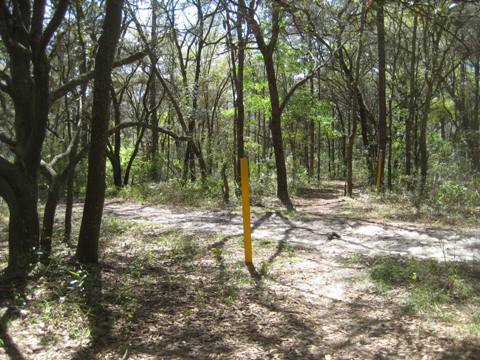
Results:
x,y
247,235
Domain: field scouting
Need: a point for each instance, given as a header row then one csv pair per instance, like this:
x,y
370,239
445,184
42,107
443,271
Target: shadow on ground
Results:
x,y
194,302
12,293
194,299
326,193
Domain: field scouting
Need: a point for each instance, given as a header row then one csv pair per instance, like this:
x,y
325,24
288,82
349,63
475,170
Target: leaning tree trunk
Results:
x,y
276,129
87,249
128,168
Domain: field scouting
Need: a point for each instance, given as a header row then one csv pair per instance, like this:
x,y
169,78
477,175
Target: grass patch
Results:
x,y
403,206
269,244
435,289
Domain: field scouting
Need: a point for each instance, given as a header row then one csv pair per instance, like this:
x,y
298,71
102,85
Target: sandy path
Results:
x,y
312,230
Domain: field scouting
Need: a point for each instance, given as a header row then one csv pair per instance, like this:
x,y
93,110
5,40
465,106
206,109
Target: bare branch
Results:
x,y
128,124
54,23
83,78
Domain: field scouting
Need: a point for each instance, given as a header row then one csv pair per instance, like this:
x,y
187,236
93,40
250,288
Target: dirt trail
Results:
x,y
312,228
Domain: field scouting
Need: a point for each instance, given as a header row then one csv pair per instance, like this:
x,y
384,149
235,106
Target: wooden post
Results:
x,y
247,235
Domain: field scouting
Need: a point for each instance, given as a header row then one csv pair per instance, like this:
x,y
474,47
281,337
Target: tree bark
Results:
x,y
412,101
382,102
128,168
422,139
350,146
23,228
69,198
114,156
49,218
267,51
87,249
154,156
240,119
28,88
276,129
475,130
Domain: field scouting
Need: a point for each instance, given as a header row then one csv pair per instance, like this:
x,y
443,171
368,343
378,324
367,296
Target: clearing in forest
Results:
x,y
173,285
322,221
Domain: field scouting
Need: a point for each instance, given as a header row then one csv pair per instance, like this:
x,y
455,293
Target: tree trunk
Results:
x,y
155,170
69,198
49,219
412,102
319,151
422,139
128,168
114,156
267,51
87,249
390,147
475,131
350,146
225,187
382,102
276,129
23,228
117,172
239,90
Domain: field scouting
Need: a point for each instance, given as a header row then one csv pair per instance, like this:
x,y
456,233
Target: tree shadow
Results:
x,y
99,317
324,193
12,292
11,349
183,304
199,326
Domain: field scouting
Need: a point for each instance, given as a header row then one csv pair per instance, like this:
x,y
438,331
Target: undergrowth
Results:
x,y
431,288
176,193
145,272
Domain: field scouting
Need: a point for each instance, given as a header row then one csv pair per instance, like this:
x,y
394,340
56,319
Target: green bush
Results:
x,y
428,283
175,192
456,196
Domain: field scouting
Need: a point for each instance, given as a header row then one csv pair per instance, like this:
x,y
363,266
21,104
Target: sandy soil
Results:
x,y
155,298
319,215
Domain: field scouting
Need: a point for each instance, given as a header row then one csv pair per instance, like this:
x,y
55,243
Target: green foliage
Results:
x,y
114,225
456,196
428,283
262,179
256,92
175,192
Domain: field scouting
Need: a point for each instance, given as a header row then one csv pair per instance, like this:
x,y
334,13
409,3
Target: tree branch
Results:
x,y
294,88
54,23
83,78
128,124
73,144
